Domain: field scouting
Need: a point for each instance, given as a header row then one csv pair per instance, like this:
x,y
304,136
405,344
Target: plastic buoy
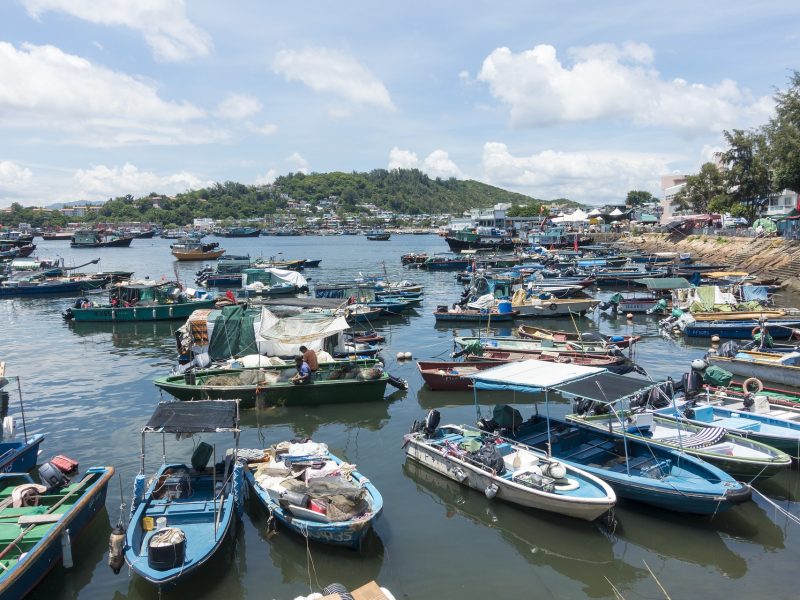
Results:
x,y
66,549
715,339
629,316
491,491
408,355
116,548
401,355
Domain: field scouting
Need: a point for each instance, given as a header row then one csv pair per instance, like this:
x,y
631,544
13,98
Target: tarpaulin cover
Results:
x,y
273,276
605,387
283,337
754,292
664,283
194,417
233,334
531,375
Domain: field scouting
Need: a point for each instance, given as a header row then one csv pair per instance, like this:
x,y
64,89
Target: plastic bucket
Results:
x,y
504,307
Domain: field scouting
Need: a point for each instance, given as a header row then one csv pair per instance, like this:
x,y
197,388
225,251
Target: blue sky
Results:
x,y
584,100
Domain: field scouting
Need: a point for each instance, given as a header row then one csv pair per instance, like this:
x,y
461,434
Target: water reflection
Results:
x,y
153,337
577,550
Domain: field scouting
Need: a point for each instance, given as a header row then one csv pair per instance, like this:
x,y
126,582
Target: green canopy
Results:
x,y
233,334
767,224
664,283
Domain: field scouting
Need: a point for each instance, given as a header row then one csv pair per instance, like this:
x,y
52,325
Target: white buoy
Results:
x,y
401,355
408,355
629,316
715,339
66,549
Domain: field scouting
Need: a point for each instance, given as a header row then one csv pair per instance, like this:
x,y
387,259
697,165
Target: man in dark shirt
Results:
x,y
310,357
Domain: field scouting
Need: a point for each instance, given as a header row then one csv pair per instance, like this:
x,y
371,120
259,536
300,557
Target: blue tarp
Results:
x,y
754,292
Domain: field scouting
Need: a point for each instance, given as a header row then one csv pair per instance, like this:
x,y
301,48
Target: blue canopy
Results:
x,y
531,376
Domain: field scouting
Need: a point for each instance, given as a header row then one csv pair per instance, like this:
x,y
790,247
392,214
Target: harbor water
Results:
x,y
89,389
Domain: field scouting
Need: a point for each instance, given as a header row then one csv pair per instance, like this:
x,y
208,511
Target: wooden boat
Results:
x,y
34,537
183,516
782,368
17,456
616,364
778,426
745,459
378,236
468,315
40,286
361,313
554,307
95,239
514,344
518,475
139,301
451,376
303,486
196,250
636,470
345,381
739,315
540,333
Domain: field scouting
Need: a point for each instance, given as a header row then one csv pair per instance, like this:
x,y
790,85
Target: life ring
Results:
x,y
747,382
567,484
756,329
553,306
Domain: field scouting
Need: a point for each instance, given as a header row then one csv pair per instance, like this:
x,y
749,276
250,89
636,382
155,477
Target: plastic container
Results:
x,y
161,522
504,307
148,523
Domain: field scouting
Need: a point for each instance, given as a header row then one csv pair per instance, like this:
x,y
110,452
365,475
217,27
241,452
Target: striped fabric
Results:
x,y
706,437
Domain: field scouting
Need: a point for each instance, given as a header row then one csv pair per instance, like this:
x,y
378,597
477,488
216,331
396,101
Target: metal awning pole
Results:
x,y
141,456
214,487
22,411
547,415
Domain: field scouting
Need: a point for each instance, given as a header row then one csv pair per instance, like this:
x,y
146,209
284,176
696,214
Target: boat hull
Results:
x,y
213,255
456,245
474,316
21,579
450,376
20,457
555,309
775,373
161,312
740,330
122,242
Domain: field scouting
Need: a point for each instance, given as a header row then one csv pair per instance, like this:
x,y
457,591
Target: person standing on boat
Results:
x,y
311,358
303,374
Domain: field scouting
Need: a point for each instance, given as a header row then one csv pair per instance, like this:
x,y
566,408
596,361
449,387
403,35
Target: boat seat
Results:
x,y
738,423
521,459
706,437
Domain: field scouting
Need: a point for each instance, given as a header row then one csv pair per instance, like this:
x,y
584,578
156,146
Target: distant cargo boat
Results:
x,y
239,232
378,236
197,251
94,239
468,240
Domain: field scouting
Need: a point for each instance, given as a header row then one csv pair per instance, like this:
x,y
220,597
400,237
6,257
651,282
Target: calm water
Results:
x,y
89,389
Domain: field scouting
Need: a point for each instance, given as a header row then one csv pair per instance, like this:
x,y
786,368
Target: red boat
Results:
x,y
539,333
578,358
451,376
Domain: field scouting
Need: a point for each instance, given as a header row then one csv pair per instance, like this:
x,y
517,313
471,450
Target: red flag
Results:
x,y
575,245
229,295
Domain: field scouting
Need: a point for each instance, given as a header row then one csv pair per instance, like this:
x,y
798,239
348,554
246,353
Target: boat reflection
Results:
x,y
580,551
158,335
429,399
290,555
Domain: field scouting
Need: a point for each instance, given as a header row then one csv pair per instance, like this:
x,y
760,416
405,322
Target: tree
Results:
x,y
783,135
703,190
527,210
638,198
747,173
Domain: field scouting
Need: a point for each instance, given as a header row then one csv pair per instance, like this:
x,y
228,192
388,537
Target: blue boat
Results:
x,y
34,537
16,456
180,521
779,330
15,288
391,307
647,473
315,494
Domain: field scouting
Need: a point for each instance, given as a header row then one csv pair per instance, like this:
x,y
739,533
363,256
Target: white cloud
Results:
x,y
333,72
265,129
589,177
238,106
402,159
163,23
101,181
612,82
298,164
44,87
266,179
436,164
15,180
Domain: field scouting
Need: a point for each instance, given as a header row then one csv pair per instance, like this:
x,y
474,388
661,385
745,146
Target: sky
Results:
x,y
578,99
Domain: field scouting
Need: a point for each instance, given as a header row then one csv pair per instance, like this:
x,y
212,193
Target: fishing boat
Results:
x,y
190,250
744,329
540,333
378,235
451,376
140,301
94,239
241,232
345,381
53,236
514,344
615,364
180,520
743,458
314,493
361,313
506,470
639,471
550,307
470,315
776,367
488,239
273,263
36,284
445,263
272,282
16,456
39,536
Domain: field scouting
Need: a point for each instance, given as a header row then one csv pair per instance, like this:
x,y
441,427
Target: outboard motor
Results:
x,y
748,402
431,422
52,477
487,424
692,383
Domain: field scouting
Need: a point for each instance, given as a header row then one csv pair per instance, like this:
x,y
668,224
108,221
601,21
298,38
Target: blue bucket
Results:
x,y
504,307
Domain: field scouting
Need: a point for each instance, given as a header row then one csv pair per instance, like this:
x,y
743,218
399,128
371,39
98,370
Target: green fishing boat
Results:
x,y
140,301
335,382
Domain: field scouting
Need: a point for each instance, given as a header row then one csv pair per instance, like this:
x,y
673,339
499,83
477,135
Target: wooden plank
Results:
x,y
39,519
369,591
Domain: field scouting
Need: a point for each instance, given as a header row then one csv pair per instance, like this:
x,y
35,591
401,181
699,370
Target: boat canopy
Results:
x,y
272,276
664,283
283,337
199,416
232,334
531,376
605,387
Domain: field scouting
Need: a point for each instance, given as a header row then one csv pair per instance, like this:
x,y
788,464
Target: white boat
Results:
x,y
552,307
777,367
520,474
